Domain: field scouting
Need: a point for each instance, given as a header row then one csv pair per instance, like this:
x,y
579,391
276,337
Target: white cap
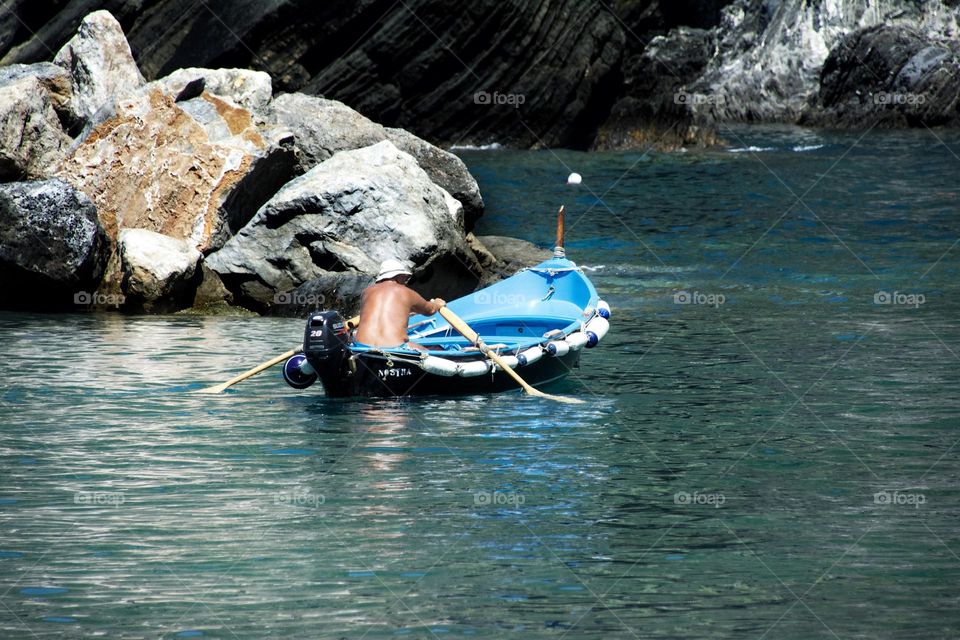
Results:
x,y
574,178
392,268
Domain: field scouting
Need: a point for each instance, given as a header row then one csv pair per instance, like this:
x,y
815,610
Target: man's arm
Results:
x,y
425,307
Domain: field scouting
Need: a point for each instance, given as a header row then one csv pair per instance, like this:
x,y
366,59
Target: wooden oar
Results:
x,y
457,323
352,323
252,372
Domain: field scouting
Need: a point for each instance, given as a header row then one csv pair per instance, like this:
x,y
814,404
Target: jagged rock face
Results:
x,y
346,215
889,77
32,140
176,168
657,111
100,64
158,271
770,53
416,64
52,248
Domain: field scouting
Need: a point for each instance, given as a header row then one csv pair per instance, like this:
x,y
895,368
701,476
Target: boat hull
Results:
x,y
373,376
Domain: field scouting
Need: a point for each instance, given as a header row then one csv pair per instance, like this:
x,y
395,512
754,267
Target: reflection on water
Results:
x,y
779,465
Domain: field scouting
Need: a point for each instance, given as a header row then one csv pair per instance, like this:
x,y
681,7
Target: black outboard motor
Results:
x,y
325,352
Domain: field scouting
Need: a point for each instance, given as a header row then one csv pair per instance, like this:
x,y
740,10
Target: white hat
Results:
x,y
392,268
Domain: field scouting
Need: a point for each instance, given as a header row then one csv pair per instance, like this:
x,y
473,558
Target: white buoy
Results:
x,y
575,178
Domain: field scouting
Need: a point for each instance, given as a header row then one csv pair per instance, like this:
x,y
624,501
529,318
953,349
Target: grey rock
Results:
x,y
53,250
512,254
348,214
889,77
100,64
55,81
323,127
250,89
158,271
32,141
770,54
445,169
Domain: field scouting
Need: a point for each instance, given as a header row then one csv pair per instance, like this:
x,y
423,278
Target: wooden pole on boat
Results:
x,y
457,323
558,248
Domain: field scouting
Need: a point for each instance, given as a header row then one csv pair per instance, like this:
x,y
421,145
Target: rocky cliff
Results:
x,y
583,74
203,187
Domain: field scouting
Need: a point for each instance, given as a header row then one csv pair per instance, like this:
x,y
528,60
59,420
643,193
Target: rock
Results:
x,y
210,290
889,77
341,291
770,54
158,271
32,141
656,112
346,215
251,90
196,170
512,255
323,127
55,81
52,248
100,64
445,169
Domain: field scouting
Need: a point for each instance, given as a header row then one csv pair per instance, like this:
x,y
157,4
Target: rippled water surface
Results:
x,y
770,447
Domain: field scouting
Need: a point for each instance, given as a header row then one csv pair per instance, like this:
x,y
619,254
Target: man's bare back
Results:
x,y
385,311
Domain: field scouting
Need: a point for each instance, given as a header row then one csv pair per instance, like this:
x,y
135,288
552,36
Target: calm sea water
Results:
x,y
770,450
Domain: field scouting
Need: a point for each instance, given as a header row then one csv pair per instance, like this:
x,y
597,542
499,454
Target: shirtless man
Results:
x,y
387,305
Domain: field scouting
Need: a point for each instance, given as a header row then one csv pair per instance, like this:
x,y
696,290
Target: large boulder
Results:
x,y
32,140
52,248
159,272
196,170
100,64
323,127
890,77
445,169
348,214
250,89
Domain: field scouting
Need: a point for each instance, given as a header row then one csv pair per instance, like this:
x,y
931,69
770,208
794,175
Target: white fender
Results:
x,y
576,340
510,361
599,326
603,309
471,369
558,348
532,354
439,366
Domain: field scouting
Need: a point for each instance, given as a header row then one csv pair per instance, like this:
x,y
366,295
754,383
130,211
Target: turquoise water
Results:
x,y
770,448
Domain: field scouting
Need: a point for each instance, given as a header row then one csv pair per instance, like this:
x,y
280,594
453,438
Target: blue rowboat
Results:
x,y
538,320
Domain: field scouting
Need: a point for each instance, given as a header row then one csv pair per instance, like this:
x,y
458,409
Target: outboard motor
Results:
x,y
325,354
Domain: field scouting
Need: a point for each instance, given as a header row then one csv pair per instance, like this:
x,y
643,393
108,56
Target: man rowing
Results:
x,y
386,307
